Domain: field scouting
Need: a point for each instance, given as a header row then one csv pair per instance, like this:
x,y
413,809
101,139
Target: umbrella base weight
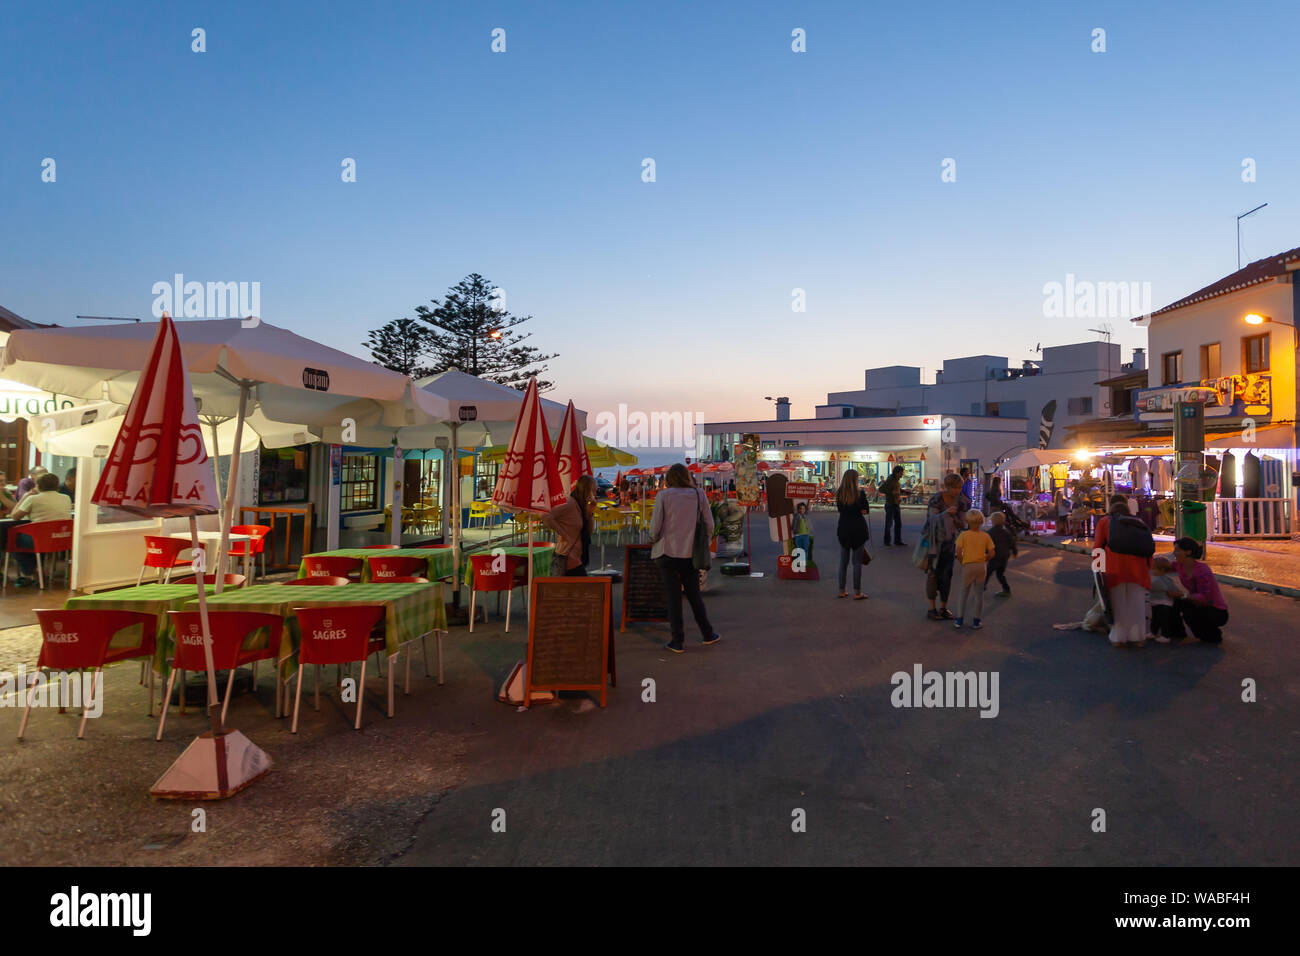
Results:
x,y
213,767
740,568
458,616
613,574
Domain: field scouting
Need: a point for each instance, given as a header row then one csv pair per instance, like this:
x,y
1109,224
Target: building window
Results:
x,y
1171,368
991,409
1210,361
1080,406
1121,401
1254,354
846,413
359,489
282,474
790,443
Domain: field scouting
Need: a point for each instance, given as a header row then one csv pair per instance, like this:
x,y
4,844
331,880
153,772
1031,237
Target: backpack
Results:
x,y
1130,535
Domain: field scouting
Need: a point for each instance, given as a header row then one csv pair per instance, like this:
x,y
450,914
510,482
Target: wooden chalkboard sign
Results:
x,y
644,598
569,635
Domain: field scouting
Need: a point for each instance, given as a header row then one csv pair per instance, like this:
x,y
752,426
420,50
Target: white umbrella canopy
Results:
x,y
234,366
93,440
296,379
1036,457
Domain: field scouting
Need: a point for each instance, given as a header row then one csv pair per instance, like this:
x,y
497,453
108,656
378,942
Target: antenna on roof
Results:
x,y
109,318
1239,218
1106,331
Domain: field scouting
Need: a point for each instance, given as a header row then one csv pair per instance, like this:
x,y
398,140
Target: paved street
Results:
x,y
792,710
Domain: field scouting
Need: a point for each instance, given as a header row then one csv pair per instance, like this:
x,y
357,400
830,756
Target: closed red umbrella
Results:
x,y
158,467
571,450
529,479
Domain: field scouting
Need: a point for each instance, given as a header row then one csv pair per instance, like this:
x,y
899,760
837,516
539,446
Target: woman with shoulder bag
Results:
x,y
852,531
571,523
679,509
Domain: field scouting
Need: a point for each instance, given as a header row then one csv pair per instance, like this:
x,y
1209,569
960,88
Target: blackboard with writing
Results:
x,y
644,597
569,635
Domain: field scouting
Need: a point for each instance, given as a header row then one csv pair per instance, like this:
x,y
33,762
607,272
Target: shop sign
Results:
x,y
27,404
1227,397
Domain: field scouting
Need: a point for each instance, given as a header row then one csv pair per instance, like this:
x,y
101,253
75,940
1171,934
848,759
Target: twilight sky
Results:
x,y
774,171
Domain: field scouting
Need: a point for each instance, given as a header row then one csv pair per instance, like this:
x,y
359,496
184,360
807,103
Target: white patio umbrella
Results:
x,y
460,409
1035,458
234,367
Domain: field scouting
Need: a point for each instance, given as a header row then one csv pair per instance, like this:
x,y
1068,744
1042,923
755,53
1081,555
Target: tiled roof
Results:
x,y
1256,272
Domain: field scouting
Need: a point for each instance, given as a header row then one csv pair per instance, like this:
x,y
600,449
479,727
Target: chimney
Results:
x,y
1139,360
783,409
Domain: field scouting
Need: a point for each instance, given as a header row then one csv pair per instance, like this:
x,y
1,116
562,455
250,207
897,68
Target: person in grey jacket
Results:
x,y
672,530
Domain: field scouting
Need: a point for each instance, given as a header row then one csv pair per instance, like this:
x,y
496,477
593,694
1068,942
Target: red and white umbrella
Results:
x,y
571,450
529,479
158,467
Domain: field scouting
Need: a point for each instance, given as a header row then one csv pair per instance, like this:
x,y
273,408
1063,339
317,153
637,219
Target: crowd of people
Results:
x,y
1144,595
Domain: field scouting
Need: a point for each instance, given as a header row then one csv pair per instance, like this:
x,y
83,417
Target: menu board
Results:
x,y
644,597
568,635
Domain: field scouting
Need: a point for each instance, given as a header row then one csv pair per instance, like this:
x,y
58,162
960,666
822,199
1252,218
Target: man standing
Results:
x,y
892,491
945,518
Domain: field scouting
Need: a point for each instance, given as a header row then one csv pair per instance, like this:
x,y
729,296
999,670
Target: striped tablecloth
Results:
x,y
410,610
438,560
542,551
155,599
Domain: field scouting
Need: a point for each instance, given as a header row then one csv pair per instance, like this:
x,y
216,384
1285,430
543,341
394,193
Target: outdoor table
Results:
x,y
541,552
410,610
216,536
156,599
438,560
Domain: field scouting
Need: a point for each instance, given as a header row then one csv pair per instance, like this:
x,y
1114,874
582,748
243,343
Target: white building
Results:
x,y
987,385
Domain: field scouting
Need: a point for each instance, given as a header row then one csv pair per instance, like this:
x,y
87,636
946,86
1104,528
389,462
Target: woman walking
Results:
x,y
1203,611
1127,578
945,519
571,523
853,531
678,508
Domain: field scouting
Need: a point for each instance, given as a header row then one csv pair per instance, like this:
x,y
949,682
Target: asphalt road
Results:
x,y
792,712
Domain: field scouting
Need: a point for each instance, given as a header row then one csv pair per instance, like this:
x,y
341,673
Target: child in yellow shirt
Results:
x,y
973,549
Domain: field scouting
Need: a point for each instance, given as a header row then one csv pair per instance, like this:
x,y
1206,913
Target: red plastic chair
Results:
x,y
320,582
48,537
75,640
255,547
229,580
331,566
229,631
339,635
488,580
386,569
163,554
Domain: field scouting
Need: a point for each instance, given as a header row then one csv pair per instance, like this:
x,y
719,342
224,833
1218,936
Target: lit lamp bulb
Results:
x,y
1254,318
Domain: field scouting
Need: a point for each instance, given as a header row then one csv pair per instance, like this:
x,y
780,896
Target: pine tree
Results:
x,y
470,330
401,345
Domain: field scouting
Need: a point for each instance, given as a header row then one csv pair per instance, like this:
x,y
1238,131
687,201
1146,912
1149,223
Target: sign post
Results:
x,y
1189,444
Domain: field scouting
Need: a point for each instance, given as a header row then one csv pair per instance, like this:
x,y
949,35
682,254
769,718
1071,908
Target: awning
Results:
x,y
1036,457
1219,439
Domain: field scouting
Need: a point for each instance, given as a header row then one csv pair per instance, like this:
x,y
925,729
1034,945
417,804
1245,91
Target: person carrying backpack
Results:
x,y
1127,547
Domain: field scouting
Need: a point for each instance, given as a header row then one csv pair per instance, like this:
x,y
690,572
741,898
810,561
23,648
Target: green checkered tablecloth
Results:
x,y
542,551
150,599
410,610
437,559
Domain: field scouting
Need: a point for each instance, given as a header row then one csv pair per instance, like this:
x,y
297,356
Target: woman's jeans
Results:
x,y
894,519
679,575
854,555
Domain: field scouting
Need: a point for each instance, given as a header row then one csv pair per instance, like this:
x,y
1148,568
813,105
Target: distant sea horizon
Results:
x,y
650,458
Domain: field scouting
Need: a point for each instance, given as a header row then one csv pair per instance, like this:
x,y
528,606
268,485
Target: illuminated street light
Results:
x,y
1256,318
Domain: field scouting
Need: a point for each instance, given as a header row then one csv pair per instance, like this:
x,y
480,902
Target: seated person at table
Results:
x,y
69,486
43,504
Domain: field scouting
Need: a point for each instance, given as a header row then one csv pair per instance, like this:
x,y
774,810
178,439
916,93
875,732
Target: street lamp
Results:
x,y
1255,318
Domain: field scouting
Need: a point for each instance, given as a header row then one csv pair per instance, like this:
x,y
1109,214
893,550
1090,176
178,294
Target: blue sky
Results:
x,y
775,170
